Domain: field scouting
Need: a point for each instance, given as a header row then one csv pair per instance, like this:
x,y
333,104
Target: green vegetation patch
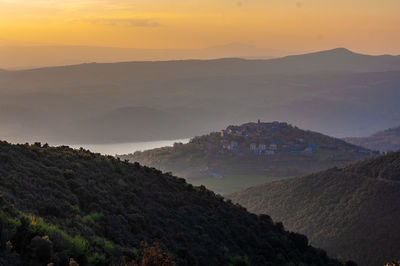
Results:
x,y
92,218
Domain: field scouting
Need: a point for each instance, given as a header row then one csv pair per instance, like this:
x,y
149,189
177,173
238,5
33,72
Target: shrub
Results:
x,y
92,218
153,256
42,248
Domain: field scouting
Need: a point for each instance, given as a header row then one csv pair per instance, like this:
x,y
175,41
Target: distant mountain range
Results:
x,y
353,212
250,154
60,206
336,92
339,59
14,56
387,140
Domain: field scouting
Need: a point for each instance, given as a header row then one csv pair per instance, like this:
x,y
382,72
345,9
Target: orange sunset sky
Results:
x,y
370,26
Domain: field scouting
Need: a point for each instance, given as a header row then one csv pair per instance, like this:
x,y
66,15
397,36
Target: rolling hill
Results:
x,y
250,154
387,140
63,206
353,212
336,92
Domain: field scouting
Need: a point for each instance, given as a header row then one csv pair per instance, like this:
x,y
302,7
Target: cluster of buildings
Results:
x,y
262,139
254,129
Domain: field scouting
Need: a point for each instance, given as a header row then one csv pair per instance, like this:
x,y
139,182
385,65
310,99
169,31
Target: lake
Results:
x,y
125,148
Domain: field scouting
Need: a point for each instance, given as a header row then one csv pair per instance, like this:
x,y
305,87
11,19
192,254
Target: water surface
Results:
x,y
125,148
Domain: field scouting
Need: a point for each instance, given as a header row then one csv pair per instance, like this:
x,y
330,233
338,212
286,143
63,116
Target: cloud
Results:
x,y
131,22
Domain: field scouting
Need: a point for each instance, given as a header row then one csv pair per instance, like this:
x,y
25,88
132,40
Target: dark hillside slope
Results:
x,y
353,212
59,203
386,168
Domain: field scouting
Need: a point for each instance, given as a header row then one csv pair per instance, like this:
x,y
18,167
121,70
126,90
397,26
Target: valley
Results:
x,y
61,205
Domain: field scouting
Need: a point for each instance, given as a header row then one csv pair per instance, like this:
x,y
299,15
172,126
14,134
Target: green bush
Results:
x,y
92,218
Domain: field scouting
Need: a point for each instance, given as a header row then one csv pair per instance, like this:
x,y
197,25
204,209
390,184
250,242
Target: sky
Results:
x,y
370,26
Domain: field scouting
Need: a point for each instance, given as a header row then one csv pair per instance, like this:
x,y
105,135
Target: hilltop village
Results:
x,y
252,153
266,139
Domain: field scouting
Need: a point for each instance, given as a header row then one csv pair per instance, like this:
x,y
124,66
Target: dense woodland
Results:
x,y
352,212
62,206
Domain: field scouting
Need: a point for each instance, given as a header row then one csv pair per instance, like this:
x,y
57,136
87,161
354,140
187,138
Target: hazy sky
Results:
x,y
371,26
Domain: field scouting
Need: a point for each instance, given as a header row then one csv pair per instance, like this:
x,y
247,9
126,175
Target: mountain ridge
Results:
x,y
324,54
23,57
325,97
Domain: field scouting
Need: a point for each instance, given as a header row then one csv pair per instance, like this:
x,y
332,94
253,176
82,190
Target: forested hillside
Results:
x,y
352,212
62,206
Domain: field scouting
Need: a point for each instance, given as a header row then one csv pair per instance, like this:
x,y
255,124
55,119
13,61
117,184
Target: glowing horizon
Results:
x,y
363,26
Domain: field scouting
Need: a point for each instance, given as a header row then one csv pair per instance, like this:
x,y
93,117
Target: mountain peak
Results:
x,y
338,51
342,50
